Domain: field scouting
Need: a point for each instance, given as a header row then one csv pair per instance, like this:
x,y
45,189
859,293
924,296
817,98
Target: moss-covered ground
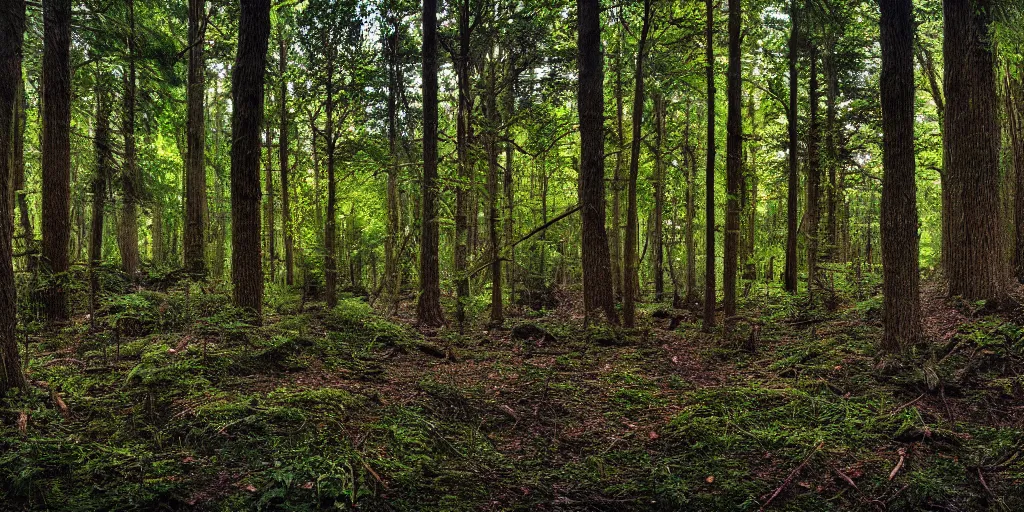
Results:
x,y
168,401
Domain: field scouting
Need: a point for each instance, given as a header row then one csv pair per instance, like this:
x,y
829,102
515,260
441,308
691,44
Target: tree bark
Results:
x,y
12,29
630,282
247,81
657,226
195,174
597,272
463,237
691,210
813,206
24,216
734,163
102,169
131,186
428,309
792,264
975,267
391,274
330,216
901,308
286,208
269,209
615,235
493,122
709,173
56,154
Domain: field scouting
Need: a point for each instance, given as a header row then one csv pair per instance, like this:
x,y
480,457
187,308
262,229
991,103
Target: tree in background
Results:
x,y
428,308
734,162
195,173
709,175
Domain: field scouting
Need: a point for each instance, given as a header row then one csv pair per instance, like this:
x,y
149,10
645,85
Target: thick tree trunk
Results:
x,y
792,264
657,224
247,80
286,208
901,317
428,309
195,173
709,173
131,186
597,271
12,28
56,154
630,281
975,265
734,163
813,180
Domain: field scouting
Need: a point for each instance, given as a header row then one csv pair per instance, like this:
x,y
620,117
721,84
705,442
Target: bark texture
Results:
x,y
195,173
734,163
428,308
792,263
709,176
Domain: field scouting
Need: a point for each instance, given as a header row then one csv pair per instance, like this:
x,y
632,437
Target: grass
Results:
x,y
175,404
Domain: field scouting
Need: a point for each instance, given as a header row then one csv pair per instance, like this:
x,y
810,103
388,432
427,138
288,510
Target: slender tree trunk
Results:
x,y
813,180
1015,98
493,122
330,224
901,317
269,209
927,63
630,283
428,309
28,243
657,226
391,240
103,169
508,187
286,208
131,186
709,180
976,269
195,174
833,194
463,238
12,28
247,81
734,163
56,153
220,240
615,235
691,209
792,264
597,271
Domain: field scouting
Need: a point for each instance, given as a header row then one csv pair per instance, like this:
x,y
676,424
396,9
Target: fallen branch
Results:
x,y
899,465
792,475
524,238
845,478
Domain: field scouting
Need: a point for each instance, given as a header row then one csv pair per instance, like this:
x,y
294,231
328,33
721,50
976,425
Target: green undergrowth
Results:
x,y
174,402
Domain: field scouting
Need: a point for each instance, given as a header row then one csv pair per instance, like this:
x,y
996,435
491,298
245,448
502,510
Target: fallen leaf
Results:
x,y
653,435
710,479
307,485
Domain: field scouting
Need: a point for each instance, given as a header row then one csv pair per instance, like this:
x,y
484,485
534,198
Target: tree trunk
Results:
x,y
463,239
102,169
792,264
131,186
657,228
691,210
615,236
195,174
597,271
813,180
12,28
508,187
220,238
20,120
391,240
976,269
269,210
833,193
734,163
428,308
286,208
1015,99
709,180
247,117
493,122
56,154
330,224
630,281
901,310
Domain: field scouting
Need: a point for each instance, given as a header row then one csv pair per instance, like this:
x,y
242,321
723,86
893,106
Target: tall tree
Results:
x,y
391,271
247,80
631,284
195,174
597,271
12,28
428,308
657,228
709,174
794,179
131,182
813,207
463,218
493,120
330,224
975,265
734,162
286,208
102,170
56,153
901,317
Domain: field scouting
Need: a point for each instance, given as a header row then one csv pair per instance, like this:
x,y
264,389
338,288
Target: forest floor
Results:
x,y
183,407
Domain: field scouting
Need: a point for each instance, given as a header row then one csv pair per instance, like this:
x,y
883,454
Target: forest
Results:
x,y
523,255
